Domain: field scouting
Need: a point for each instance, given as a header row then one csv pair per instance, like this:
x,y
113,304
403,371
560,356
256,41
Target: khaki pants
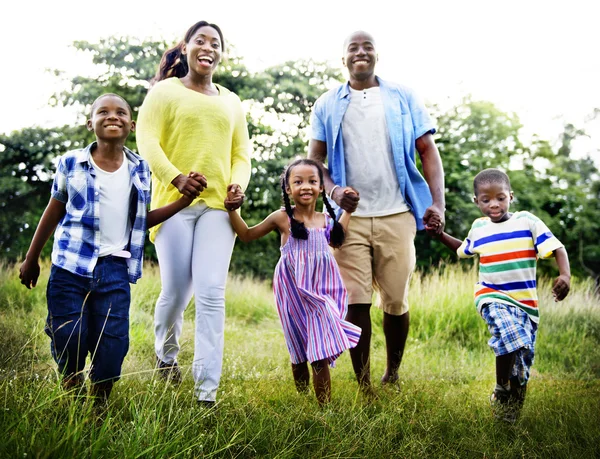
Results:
x,y
379,252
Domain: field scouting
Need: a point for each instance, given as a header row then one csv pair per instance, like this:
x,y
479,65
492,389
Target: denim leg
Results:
x,y
67,322
109,319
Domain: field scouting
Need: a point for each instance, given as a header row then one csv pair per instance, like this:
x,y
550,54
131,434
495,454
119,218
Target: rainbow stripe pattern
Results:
x,y
508,254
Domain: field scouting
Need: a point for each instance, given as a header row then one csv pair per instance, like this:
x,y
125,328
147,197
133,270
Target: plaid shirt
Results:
x,y
77,236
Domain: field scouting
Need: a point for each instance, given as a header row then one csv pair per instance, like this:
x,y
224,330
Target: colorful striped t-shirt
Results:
x,y
508,253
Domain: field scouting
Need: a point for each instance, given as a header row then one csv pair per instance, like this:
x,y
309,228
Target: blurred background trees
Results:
x,y
546,178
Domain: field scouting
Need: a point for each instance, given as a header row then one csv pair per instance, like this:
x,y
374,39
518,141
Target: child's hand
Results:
x,y
561,287
29,273
235,197
432,225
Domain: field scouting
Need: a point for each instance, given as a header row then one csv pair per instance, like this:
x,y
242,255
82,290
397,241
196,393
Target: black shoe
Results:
x,y
207,404
169,372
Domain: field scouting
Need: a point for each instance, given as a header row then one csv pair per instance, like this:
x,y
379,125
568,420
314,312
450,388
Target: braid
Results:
x,y
297,229
337,232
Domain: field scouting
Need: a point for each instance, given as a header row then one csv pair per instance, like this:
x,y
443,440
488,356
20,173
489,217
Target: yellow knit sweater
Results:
x,y
180,130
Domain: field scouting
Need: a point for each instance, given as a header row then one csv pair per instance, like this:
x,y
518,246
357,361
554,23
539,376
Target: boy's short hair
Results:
x,y
110,94
490,176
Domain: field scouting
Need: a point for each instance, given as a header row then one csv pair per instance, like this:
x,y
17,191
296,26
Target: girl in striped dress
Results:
x,y
310,295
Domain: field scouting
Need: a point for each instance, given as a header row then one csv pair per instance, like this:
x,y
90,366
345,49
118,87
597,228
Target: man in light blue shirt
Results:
x,y
367,130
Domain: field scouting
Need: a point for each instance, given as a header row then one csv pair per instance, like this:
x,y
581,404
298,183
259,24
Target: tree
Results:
x,y
473,135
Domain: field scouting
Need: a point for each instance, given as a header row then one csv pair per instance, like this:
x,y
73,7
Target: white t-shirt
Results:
x,y
115,190
368,151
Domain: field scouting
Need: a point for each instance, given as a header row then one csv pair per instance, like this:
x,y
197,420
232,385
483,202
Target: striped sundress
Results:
x,y
312,300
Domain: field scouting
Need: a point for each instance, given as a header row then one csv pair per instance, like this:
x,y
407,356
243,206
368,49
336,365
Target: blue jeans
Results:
x,y
90,315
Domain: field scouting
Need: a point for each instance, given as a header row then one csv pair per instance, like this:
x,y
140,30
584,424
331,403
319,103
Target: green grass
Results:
x,y
441,408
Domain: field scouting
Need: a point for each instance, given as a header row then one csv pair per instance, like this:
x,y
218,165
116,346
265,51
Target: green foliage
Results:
x,y
26,166
547,180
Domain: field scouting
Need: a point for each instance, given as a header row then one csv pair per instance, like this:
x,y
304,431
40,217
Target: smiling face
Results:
x,y
304,184
203,51
360,56
111,118
493,199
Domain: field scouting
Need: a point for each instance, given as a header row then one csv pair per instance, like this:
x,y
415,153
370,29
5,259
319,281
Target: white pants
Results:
x,y
194,250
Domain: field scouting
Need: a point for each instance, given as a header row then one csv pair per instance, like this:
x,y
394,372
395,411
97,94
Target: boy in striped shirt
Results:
x,y
508,245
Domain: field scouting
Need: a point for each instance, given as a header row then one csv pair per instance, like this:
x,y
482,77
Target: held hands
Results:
x,y
29,273
191,185
235,197
561,287
187,199
347,198
434,220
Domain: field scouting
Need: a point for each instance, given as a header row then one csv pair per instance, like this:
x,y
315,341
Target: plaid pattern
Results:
x,y
512,330
77,236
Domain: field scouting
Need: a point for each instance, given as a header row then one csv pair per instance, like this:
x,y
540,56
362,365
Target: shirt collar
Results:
x,y
83,155
345,92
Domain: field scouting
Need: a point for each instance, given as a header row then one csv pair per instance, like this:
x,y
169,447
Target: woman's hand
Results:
x,y
235,197
191,185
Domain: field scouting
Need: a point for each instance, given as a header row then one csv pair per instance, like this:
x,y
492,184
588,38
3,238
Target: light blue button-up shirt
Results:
x,y
407,119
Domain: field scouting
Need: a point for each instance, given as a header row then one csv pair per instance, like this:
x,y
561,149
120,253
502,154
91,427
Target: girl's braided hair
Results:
x,y
173,62
298,229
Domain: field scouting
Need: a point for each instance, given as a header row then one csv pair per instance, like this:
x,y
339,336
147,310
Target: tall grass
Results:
x,y
439,410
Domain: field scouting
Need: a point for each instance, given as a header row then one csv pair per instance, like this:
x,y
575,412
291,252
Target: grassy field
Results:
x,y
440,409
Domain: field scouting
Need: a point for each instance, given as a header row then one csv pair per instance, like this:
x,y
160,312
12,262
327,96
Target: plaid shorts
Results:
x,y
512,331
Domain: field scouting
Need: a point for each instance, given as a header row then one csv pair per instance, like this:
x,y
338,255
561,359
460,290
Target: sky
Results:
x,y
536,58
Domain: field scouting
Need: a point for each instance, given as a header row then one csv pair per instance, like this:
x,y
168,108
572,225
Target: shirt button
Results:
x,y
96,250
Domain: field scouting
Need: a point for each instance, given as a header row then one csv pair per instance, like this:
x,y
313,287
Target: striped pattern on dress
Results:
x,y
508,254
312,300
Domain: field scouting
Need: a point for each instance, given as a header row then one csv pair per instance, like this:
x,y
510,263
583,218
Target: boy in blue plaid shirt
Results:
x,y
98,207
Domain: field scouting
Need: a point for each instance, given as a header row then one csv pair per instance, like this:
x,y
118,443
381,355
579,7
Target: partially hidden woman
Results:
x,y
188,123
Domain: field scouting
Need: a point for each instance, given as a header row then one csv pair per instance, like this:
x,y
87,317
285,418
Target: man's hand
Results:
x,y
347,198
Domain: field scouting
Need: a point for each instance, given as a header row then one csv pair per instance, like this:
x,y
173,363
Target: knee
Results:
x,y
210,294
64,328
175,300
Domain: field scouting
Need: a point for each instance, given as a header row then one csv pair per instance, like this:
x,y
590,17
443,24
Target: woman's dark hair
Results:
x,y
172,64
298,229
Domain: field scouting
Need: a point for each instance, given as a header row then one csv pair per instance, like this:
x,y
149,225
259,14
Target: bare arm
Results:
x,y
161,214
562,284
449,241
347,198
272,222
30,269
345,220
434,176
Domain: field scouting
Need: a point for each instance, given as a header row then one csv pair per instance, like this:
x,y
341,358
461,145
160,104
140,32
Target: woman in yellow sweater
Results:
x,y
188,123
